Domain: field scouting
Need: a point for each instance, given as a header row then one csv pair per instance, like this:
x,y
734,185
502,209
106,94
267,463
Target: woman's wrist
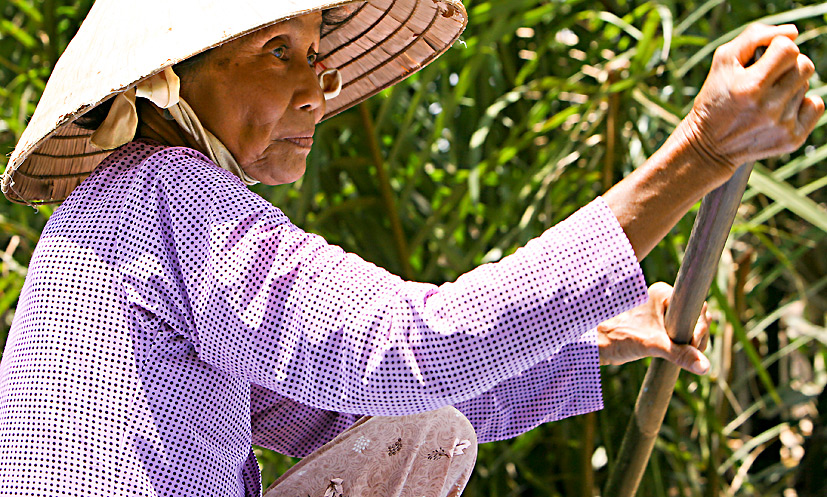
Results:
x,y
700,155
651,200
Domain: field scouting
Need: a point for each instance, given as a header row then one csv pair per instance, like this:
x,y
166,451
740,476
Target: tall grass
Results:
x,y
540,107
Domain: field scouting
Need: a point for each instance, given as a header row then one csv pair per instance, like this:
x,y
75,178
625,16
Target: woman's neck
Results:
x,y
155,126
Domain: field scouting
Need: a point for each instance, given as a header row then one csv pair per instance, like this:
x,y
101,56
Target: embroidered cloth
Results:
x,y
430,453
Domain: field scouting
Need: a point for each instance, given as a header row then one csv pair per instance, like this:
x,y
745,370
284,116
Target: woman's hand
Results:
x,y
640,332
740,114
749,112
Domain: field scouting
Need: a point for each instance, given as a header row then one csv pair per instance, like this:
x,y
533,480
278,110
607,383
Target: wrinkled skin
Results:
x,y
640,332
260,95
749,113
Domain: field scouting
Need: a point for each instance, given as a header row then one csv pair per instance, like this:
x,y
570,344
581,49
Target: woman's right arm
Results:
x,y
742,113
267,302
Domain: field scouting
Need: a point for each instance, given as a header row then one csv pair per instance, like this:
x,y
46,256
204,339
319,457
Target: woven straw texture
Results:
x,y
122,42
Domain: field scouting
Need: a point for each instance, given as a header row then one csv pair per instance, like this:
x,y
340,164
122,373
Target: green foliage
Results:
x,y
539,108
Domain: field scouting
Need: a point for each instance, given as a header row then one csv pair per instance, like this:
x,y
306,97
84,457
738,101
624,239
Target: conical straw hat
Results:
x,y
122,42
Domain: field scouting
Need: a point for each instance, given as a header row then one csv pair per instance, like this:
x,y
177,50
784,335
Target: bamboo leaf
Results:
x,y
8,28
788,197
28,9
745,449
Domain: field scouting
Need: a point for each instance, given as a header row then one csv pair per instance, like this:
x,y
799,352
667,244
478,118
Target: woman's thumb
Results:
x,y
689,358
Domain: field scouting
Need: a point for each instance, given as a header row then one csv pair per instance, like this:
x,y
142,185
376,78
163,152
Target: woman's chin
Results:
x,y
280,173
277,162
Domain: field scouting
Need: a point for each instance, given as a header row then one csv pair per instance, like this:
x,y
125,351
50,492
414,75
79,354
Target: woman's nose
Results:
x,y
308,95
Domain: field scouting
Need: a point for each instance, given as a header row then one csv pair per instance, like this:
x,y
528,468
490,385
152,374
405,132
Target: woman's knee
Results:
x,y
451,416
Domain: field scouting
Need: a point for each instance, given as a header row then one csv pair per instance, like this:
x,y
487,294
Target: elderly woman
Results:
x,y
171,317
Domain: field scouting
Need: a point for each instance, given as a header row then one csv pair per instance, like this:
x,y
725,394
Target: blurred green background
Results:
x,y
539,108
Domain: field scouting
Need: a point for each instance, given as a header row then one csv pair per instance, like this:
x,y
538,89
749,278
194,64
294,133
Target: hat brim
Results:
x,y
380,43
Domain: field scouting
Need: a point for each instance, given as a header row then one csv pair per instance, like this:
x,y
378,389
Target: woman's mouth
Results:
x,y
300,141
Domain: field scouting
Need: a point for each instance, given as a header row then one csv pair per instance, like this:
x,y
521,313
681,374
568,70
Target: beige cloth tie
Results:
x,y
163,90
121,123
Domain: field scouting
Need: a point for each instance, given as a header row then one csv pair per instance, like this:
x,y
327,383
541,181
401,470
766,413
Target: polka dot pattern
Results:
x,y
171,318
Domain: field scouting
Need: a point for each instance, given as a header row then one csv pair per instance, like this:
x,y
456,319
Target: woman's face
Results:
x,y
260,95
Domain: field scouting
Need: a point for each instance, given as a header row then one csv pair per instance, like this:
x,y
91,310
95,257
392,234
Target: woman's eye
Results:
x,y
280,52
312,58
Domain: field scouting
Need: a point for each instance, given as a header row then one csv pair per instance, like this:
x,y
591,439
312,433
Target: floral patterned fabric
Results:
x,y
430,454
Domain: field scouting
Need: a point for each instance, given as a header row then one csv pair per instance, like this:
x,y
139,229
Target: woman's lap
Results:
x,y
428,454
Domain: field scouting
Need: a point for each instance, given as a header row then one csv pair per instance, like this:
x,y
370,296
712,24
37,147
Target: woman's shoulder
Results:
x,y
143,153
149,161
188,176
174,176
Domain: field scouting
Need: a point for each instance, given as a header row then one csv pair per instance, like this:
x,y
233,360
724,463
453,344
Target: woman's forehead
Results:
x,y
307,24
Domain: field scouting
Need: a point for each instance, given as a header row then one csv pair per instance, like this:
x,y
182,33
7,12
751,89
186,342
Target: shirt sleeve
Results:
x,y
283,309
564,384
291,428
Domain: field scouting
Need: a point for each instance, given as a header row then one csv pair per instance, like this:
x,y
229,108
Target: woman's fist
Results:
x,y
749,112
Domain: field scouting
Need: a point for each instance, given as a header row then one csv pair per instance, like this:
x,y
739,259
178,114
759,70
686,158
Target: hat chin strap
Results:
x,y
163,90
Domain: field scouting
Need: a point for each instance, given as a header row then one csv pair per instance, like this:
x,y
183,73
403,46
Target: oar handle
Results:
x,y
703,251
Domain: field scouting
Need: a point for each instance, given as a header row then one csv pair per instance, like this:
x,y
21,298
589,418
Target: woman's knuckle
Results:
x,y
787,46
661,289
800,138
793,138
686,356
748,91
808,68
755,28
720,54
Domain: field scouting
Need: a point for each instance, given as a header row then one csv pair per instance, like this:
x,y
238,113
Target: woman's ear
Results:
x,y
330,81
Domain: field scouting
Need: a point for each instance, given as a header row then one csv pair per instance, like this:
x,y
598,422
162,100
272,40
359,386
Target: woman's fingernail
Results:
x,y
701,366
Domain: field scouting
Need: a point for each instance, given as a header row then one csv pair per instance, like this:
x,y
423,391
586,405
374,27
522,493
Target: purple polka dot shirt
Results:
x,y
171,318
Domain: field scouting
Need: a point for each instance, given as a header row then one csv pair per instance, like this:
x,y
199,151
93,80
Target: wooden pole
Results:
x,y
706,242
